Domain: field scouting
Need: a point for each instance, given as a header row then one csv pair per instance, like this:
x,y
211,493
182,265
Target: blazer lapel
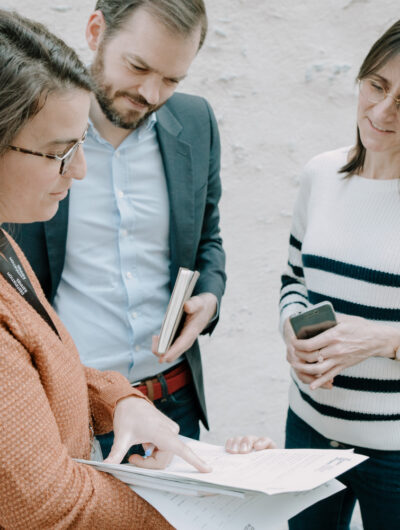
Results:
x,y
56,239
178,167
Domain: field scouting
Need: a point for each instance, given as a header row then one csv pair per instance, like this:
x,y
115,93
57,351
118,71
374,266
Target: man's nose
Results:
x,y
150,90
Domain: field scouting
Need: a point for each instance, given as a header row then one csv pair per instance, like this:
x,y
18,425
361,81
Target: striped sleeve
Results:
x,y
293,295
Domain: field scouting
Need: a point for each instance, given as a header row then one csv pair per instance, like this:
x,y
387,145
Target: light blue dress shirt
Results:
x,y
114,288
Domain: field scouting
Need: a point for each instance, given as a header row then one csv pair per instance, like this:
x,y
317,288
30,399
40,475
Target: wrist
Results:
x,y
211,303
130,400
288,332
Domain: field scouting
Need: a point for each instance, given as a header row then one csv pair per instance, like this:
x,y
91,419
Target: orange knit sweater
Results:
x,y
46,400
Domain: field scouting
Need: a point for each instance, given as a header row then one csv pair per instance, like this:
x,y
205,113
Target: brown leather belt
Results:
x,y
175,379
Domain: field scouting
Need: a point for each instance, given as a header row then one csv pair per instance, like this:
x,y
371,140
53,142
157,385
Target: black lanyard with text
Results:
x,y
13,272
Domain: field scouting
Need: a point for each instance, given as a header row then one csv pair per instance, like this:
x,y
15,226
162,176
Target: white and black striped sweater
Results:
x,y
345,248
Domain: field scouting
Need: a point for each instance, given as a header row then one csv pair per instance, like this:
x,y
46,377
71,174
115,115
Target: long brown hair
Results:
x,y
382,51
33,63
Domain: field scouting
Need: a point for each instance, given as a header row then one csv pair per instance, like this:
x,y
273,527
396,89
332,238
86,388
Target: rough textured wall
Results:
x,y
280,76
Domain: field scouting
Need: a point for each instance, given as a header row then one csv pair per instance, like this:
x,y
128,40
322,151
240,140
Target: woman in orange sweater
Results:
x,y
50,405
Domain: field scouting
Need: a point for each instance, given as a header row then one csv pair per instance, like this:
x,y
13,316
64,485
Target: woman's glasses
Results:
x,y
375,92
65,158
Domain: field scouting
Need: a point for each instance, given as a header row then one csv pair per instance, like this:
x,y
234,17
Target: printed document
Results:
x,y
257,491
270,472
221,512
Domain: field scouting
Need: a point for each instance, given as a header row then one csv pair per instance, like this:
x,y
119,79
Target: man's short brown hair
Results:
x,y
180,16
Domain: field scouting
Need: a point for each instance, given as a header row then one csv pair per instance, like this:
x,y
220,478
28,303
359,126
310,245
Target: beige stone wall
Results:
x,y
280,76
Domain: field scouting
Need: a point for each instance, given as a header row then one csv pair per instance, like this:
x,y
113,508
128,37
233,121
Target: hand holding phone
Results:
x,y
310,323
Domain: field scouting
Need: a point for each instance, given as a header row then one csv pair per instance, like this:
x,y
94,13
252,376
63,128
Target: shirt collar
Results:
x,y
148,125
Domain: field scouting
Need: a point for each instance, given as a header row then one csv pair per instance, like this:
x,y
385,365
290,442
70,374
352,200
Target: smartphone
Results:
x,y
313,321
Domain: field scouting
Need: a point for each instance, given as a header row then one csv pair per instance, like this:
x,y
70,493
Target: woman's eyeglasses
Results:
x,y
375,92
65,158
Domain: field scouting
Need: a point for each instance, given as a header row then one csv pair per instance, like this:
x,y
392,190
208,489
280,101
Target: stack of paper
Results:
x,y
269,486
252,512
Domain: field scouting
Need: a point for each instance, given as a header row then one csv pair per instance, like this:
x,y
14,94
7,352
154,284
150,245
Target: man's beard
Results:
x,y
104,94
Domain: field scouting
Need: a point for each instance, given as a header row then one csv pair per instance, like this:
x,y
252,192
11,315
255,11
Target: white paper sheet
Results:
x,y
220,512
270,472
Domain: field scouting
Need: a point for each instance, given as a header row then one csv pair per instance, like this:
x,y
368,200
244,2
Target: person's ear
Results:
x,y
95,29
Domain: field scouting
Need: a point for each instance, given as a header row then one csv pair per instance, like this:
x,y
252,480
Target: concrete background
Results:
x,y
280,76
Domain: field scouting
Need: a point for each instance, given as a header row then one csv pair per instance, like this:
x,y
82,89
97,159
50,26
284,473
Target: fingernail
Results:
x,y
148,452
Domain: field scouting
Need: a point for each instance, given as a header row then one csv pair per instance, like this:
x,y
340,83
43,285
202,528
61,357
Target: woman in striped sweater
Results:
x,y
345,248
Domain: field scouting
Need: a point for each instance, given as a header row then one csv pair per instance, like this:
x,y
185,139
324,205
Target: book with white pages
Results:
x,y
183,289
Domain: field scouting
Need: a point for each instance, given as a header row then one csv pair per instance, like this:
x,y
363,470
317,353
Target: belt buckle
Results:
x,y
148,383
150,389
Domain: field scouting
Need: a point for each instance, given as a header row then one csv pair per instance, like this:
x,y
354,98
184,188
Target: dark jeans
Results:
x,y
181,406
375,483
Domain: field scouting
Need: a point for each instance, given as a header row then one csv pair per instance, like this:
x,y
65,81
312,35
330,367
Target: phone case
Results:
x,y
313,321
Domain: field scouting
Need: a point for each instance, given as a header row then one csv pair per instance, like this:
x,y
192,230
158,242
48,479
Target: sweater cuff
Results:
x,y
116,393
288,311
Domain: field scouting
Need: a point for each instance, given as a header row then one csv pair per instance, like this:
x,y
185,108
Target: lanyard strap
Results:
x,y
12,271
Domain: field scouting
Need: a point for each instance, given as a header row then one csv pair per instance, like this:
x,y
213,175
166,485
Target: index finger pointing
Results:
x,y
179,448
191,457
